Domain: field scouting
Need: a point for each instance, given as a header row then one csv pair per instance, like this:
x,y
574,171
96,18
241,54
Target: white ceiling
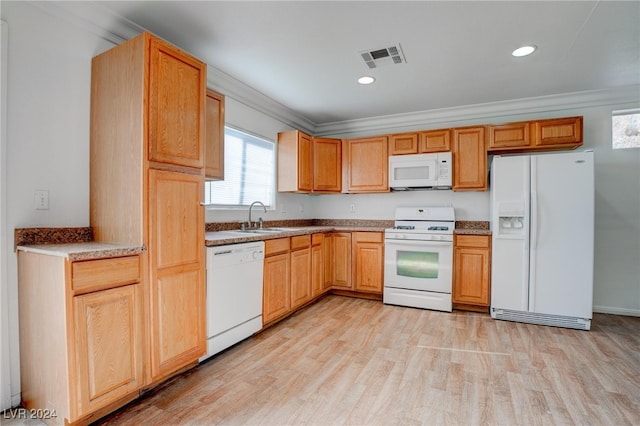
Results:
x,y
305,54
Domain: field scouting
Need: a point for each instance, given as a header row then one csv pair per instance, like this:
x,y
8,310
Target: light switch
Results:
x,y
41,199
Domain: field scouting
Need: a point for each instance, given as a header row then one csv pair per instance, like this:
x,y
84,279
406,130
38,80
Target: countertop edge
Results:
x,y
84,251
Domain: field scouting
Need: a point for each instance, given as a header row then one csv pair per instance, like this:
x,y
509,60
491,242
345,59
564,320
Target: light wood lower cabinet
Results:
x,y
177,290
300,270
82,334
109,351
368,261
341,273
276,300
471,272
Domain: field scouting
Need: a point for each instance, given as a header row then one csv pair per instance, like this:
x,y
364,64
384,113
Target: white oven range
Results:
x,y
418,258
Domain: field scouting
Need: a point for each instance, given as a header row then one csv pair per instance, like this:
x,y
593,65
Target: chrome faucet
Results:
x,y
251,207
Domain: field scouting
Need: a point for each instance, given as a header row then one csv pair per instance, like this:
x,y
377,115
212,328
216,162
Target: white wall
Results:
x,y
49,75
49,63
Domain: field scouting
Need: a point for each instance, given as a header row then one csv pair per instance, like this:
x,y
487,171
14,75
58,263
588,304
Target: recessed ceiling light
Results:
x,y
524,50
366,80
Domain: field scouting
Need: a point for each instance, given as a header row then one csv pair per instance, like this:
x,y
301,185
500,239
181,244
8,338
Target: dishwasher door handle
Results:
x,y
222,252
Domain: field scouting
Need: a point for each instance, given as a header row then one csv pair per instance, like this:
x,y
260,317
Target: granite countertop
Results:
x,y
85,250
469,227
237,236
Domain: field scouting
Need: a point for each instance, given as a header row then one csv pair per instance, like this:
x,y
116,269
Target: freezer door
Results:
x,y
562,229
510,181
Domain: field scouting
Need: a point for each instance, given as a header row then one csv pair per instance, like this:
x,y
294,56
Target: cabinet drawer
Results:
x,y
300,242
105,273
478,241
317,239
279,245
367,237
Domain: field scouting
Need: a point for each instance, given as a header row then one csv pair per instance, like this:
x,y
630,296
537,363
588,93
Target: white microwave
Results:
x,y
420,171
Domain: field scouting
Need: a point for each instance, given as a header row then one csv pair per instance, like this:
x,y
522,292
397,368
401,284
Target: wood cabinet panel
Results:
x,y
368,258
366,164
536,136
276,300
328,262
177,83
403,143
174,200
91,275
295,162
471,275
327,165
276,246
435,141
300,241
214,136
300,277
109,345
317,267
469,159
564,132
512,135
341,260
177,284
178,333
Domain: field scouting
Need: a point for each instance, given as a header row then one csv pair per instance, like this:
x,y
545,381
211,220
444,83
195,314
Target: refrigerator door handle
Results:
x,y
533,238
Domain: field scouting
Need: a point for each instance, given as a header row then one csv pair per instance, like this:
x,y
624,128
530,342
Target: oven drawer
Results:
x,y
417,299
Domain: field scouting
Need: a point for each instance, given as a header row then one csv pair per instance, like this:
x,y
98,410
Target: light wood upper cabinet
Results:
x,y
512,135
214,136
469,159
403,143
295,162
327,165
435,141
366,165
471,274
536,136
177,83
558,132
368,261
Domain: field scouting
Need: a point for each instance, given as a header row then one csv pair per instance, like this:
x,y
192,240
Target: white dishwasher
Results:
x,y
234,294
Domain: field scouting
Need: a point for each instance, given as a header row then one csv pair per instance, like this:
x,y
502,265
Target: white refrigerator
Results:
x,y
542,222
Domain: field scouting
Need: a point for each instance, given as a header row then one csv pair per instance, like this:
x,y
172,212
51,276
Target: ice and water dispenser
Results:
x,y
511,219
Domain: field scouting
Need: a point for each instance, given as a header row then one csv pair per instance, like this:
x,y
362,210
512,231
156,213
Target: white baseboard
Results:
x,y
616,311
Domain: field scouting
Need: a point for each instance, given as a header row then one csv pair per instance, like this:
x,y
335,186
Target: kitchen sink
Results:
x,y
265,230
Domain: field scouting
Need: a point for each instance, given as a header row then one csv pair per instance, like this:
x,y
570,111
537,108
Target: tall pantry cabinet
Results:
x,y
147,178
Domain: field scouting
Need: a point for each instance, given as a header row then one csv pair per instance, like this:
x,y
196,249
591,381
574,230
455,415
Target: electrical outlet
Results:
x,y
301,208
41,198
283,208
352,207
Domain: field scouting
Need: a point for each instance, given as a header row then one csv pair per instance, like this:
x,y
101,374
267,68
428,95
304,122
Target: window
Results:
x,y
625,126
249,172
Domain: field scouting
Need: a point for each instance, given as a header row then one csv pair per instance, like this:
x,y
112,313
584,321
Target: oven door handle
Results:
x,y
417,243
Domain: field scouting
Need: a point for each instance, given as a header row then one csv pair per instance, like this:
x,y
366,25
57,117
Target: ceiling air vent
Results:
x,y
385,56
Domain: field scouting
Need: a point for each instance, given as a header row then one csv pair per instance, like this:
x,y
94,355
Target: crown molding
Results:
x,y
234,88
585,99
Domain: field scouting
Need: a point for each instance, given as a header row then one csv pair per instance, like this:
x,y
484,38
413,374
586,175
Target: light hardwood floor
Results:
x,y
359,362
